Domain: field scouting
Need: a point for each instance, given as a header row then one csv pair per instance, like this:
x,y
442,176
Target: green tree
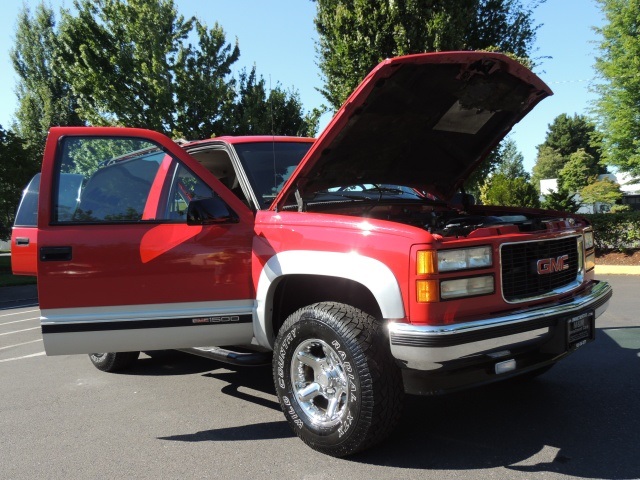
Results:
x,y
256,112
139,63
548,165
507,191
602,191
579,171
509,184
204,92
17,166
567,135
505,159
618,103
45,98
511,163
355,35
562,200
121,58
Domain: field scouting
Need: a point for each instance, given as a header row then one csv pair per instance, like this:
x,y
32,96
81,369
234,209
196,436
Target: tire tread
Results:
x,y
382,385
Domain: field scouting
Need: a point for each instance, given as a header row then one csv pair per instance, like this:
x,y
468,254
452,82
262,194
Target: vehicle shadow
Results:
x,y
258,431
254,378
580,419
171,362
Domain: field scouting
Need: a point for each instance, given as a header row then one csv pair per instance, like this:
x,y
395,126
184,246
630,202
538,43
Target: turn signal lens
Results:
x,y
590,262
426,262
427,291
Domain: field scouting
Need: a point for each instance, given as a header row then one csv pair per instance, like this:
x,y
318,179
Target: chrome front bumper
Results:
x,y
421,347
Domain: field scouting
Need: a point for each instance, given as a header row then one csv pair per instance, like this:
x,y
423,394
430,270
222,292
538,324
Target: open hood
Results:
x,y
424,121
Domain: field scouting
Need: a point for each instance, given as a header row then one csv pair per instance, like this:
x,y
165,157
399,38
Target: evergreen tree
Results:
x,y
509,184
256,112
562,200
510,192
565,136
511,163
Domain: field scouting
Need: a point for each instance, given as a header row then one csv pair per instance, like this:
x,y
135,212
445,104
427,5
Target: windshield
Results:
x,y
269,165
365,193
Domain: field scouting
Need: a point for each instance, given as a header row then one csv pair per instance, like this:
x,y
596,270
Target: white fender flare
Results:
x,y
373,274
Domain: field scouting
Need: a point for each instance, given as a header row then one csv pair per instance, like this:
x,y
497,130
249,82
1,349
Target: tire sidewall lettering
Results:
x,y
282,365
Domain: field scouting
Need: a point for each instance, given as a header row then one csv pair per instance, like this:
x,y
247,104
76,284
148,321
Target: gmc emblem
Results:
x,y
550,265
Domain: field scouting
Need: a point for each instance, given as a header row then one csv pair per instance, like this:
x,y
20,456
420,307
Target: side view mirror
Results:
x,y
209,211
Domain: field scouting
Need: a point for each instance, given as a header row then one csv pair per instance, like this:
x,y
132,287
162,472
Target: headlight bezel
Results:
x,y
588,238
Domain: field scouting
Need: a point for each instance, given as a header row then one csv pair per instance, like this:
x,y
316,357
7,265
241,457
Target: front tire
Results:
x,y
113,361
336,380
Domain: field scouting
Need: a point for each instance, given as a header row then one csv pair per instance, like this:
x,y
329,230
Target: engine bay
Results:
x,y
449,220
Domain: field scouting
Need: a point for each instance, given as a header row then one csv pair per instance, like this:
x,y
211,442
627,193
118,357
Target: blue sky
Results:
x,y
278,36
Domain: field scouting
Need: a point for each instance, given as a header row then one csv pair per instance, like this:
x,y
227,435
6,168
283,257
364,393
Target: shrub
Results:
x,y
616,231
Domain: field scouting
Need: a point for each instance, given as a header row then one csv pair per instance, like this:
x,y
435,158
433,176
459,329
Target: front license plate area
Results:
x,y
580,330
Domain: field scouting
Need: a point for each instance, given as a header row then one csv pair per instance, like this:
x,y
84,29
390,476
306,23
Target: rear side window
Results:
x,y
27,215
104,180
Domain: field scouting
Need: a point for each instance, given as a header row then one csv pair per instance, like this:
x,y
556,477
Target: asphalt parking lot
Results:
x,y
177,416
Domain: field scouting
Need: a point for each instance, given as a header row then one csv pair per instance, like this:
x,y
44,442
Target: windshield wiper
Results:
x,y
348,196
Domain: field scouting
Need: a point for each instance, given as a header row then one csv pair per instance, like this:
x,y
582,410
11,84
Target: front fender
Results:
x,y
369,272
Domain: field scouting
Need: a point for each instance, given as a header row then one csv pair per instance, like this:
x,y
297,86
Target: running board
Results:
x,y
249,359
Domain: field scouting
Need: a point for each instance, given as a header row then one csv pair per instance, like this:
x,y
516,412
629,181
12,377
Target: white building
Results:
x,y
628,185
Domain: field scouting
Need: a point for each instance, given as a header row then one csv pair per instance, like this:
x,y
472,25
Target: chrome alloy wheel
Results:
x,y
319,382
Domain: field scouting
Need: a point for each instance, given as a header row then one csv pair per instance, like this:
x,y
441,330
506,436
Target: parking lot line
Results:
x,y
20,358
20,344
18,321
18,331
18,313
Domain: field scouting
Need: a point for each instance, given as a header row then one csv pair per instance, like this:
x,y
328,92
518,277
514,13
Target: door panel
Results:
x,y
134,275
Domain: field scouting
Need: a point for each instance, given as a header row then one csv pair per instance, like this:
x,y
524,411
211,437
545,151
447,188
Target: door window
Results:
x,y
104,180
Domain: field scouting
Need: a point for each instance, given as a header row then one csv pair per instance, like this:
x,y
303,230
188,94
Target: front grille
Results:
x,y
520,277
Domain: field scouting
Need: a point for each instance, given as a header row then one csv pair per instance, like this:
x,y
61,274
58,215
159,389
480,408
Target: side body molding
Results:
x,y
373,274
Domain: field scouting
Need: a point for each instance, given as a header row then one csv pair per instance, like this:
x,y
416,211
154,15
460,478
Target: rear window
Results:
x,y
27,215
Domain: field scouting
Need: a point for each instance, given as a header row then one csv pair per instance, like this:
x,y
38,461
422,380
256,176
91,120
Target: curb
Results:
x,y
617,270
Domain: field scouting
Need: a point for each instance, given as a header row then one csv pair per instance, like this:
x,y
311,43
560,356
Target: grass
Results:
x,y
9,280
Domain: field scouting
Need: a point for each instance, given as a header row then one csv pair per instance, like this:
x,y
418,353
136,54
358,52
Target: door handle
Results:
x,y
22,241
55,254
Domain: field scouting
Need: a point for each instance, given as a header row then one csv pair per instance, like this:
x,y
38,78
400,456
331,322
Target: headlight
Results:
x,y
588,240
464,258
466,287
